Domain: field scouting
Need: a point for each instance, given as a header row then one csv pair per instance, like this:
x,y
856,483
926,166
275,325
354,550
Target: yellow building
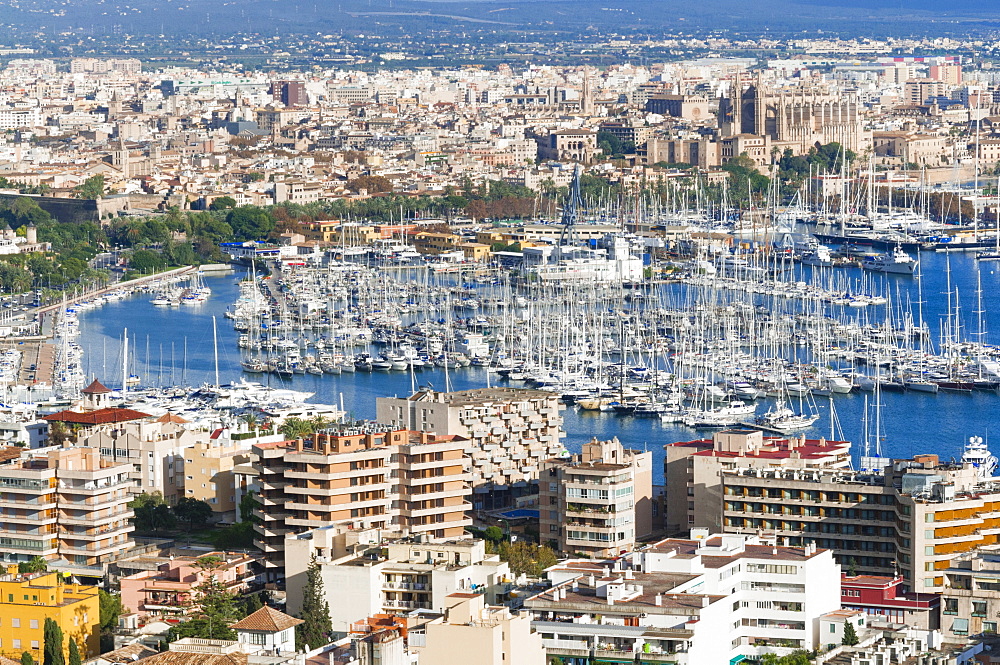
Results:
x,y
26,601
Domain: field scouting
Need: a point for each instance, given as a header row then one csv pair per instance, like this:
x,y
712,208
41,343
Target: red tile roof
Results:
x,y
96,388
98,417
268,620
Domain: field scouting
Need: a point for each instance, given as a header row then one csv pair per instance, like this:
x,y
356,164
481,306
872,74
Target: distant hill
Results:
x,y
401,17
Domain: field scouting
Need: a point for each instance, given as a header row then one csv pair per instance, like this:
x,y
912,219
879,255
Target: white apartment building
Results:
x,y
708,599
397,577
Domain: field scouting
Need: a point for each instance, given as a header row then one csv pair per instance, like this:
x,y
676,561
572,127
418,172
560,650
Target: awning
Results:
x,y
960,626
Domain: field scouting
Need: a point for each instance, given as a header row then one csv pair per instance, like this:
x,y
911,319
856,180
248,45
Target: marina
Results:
x,y
175,346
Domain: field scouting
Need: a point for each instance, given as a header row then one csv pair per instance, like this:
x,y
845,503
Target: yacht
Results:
x,y
896,262
977,454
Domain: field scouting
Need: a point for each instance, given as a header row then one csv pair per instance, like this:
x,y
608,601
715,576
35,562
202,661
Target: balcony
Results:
x,y
87,519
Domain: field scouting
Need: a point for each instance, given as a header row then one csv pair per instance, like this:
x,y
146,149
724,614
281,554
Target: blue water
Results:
x,y
913,422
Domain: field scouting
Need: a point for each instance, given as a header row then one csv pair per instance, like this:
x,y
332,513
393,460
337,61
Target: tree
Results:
x,y
494,534
74,653
26,659
35,565
111,609
850,637
217,609
295,428
152,514
92,188
250,223
146,261
527,559
222,203
316,625
193,512
52,653
373,184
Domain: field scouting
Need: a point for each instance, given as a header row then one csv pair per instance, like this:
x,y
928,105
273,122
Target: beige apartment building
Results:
x,y
472,632
209,474
599,502
413,483
68,506
692,470
510,431
398,576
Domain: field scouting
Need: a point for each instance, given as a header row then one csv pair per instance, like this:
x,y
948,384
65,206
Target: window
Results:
x,y
34,644
34,624
15,622
17,644
833,628
979,608
951,606
989,626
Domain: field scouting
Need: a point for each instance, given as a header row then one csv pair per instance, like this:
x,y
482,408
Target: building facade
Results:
x,y
376,476
598,502
510,432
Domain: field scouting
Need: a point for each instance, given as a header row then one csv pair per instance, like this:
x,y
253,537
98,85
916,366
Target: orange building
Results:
x,y
393,479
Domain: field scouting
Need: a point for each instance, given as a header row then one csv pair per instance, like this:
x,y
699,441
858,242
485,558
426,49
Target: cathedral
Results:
x,y
797,119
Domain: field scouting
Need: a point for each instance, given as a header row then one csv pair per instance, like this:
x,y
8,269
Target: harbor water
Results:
x,y
175,346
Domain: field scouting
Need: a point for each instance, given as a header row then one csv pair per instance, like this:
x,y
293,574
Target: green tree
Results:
x,y
195,513
217,608
35,565
494,534
92,188
74,653
250,223
223,203
152,514
52,652
111,608
850,637
295,428
26,659
527,559
316,625
146,261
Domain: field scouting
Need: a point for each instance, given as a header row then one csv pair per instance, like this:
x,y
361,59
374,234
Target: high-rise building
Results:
x,y
692,470
915,517
289,93
69,507
510,432
598,502
412,483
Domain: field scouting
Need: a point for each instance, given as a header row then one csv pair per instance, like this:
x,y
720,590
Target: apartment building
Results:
x,y
472,632
970,601
377,476
706,599
692,470
27,600
598,502
853,514
171,590
393,576
69,507
510,432
210,476
153,448
914,518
